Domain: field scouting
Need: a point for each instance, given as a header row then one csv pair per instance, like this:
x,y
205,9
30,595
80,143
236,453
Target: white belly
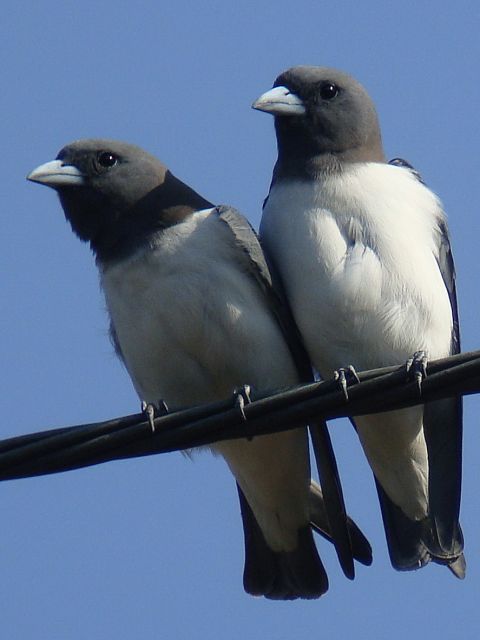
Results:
x,y
361,275
192,327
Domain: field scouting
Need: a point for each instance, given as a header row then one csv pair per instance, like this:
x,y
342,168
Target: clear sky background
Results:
x,y
153,548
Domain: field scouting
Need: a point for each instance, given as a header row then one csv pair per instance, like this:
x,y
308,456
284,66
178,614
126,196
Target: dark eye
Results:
x,y
328,91
106,159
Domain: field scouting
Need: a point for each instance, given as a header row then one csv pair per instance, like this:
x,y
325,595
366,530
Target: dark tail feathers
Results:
x,y
284,575
412,545
361,549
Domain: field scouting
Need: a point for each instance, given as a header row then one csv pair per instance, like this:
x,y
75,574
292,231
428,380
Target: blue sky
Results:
x,y
153,548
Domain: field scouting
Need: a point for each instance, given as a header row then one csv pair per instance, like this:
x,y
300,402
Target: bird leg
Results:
x,y
241,398
152,412
416,367
344,377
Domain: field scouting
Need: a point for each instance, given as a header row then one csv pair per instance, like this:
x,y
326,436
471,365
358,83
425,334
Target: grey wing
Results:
x,y
247,240
115,342
255,262
400,162
444,260
445,444
443,433
447,269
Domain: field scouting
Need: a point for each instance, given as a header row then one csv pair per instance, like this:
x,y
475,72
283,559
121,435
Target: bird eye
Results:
x,y
328,91
106,159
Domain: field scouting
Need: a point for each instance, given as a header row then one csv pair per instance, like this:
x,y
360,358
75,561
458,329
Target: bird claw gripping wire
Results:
x,y
346,376
151,412
241,398
416,367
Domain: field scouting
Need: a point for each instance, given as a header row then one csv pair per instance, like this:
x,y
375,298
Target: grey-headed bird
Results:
x,y
362,249
194,315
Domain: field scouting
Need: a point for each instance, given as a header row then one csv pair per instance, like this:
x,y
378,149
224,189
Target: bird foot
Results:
x,y
416,367
241,398
346,376
151,412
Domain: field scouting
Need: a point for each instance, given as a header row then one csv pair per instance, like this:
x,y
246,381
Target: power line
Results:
x,y
379,390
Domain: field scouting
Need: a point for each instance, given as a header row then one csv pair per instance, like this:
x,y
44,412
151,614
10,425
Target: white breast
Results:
x,y
357,253
193,326
190,322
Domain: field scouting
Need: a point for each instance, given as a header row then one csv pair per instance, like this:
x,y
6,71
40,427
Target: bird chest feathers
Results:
x,y
187,320
363,246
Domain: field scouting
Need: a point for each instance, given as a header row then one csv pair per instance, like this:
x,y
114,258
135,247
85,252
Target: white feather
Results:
x,y
357,253
192,327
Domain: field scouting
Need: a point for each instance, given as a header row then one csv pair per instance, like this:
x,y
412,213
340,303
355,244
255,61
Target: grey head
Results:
x,y
323,118
116,195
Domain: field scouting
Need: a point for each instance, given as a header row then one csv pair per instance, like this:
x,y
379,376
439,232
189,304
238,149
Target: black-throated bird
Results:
x,y
194,315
